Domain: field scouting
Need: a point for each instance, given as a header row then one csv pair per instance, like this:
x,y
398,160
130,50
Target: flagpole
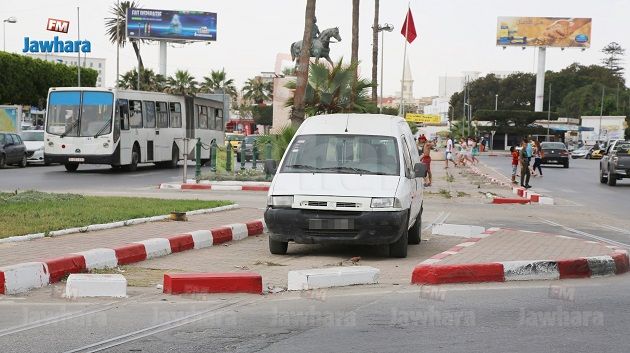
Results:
x,y
402,81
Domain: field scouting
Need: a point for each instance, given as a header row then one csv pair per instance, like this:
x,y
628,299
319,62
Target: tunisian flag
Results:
x,y
408,29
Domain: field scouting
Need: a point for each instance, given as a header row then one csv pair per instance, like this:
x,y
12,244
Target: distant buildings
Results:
x,y
97,64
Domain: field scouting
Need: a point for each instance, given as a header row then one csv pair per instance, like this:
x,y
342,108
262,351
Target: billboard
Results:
x,y
562,32
171,25
423,118
10,118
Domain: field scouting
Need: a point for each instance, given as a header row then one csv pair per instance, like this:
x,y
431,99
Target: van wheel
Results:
x,y
399,248
278,247
415,232
71,167
602,179
2,161
612,178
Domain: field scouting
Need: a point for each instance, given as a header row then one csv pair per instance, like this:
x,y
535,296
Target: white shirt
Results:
x,y
449,145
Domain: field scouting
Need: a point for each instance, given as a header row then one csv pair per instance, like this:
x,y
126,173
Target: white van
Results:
x,y
348,179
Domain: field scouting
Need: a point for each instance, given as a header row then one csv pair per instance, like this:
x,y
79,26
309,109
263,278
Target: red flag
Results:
x,y
409,29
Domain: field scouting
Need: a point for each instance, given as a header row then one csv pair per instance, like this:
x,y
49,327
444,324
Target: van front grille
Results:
x,y
347,204
318,203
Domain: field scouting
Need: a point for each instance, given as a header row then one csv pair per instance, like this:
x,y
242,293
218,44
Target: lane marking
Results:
x,y
589,235
614,229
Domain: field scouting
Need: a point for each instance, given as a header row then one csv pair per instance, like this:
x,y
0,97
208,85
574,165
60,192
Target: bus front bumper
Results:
x,y
111,159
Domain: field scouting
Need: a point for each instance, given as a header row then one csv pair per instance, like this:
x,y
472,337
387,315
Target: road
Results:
x,y
567,316
580,184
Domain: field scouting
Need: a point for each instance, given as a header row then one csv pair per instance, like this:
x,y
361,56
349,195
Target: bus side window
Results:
x,y
202,119
176,115
219,120
162,115
212,118
123,109
149,116
135,114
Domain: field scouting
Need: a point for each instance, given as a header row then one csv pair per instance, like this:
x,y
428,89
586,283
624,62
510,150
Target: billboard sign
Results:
x,y
10,118
561,32
171,25
423,118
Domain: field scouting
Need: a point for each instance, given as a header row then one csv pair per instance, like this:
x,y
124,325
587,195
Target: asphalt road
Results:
x,y
579,184
568,316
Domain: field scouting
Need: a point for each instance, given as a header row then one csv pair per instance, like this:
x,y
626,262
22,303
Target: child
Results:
x,y
514,154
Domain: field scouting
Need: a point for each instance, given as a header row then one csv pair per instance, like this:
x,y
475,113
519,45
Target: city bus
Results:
x,y
122,128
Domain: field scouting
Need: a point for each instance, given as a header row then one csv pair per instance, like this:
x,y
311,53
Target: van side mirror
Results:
x,y
420,170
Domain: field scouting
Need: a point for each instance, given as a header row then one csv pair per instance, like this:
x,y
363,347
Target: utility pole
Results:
x,y
601,113
549,113
496,102
387,27
79,51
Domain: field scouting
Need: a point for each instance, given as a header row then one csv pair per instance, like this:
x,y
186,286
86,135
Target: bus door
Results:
x,y
149,131
163,139
125,143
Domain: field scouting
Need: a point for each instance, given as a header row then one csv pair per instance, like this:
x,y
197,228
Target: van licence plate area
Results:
x,y
331,224
76,159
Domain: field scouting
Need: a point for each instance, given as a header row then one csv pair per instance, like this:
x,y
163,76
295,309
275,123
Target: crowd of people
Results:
x,y
529,150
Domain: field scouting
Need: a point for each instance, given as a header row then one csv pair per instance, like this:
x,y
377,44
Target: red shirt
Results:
x,y
514,158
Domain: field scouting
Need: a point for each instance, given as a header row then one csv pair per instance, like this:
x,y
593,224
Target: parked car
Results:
x,y
249,142
34,142
234,140
348,179
555,153
12,150
615,164
582,152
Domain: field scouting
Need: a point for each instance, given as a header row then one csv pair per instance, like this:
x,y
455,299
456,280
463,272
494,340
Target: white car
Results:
x,y
34,141
348,179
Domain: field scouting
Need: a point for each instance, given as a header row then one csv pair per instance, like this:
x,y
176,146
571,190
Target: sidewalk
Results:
x,y
39,249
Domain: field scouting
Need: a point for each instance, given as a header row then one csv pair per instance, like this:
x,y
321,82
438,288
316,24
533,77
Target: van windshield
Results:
x,y
342,154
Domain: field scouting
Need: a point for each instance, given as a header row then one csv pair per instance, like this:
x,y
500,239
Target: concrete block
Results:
x,y
545,200
332,277
23,277
236,282
156,247
93,285
202,238
457,230
239,231
99,258
530,270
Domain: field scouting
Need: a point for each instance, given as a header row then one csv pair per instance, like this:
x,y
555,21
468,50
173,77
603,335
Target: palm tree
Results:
x,y
257,90
149,80
375,51
335,90
116,28
181,83
297,113
354,56
218,82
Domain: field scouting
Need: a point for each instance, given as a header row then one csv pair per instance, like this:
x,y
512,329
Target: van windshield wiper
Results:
x,y
350,169
74,124
109,122
300,166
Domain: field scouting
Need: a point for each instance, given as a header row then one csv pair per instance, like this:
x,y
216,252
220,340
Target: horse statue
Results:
x,y
319,48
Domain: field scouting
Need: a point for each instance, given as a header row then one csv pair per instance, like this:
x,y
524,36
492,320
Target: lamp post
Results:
x,y
601,113
11,19
549,113
496,102
386,27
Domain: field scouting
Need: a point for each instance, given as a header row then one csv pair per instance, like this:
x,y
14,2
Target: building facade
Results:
x,y
97,64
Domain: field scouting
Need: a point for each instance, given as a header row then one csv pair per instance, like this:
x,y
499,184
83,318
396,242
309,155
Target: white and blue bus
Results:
x,y
122,128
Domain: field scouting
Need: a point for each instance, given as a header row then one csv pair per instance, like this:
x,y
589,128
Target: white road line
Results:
x,y
614,229
589,235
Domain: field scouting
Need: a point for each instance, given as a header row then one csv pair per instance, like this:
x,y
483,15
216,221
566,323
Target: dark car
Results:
x,y
615,164
555,153
250,141
12,150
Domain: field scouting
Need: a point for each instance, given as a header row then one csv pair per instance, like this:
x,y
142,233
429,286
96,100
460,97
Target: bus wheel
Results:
x,y
174,157
72,167
135,156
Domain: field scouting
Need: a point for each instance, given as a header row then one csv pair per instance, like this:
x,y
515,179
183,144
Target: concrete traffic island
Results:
x,y
501,255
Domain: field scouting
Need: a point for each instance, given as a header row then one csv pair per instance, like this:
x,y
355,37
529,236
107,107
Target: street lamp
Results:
x,y
549,114
386,27
11,19
496,102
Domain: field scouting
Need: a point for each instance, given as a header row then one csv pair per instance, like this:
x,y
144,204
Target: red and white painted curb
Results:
x,y
526,196
218,186
431,272
230,282
23,277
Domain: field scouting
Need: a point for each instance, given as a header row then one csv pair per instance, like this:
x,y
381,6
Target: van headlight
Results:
x,y
385,202
280,201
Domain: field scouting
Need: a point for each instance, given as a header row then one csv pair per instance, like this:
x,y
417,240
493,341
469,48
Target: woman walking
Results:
x,y
475,151
538,156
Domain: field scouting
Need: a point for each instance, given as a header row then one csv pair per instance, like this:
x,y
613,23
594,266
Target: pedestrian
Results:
x,y
421,141
474,151
524,159
426,160
515,158
449,152
538,156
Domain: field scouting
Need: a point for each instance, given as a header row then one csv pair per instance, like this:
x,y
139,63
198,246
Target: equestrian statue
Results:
x,y
319,44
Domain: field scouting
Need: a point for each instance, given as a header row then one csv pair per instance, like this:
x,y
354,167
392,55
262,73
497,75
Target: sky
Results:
x,y
453,35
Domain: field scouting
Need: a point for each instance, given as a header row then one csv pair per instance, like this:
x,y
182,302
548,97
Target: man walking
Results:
x,y
524,159
449,152
426,160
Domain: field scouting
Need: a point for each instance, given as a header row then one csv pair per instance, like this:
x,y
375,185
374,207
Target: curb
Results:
x,y
429,272
316,278
528,195
231,282
23,277
218,185
119,224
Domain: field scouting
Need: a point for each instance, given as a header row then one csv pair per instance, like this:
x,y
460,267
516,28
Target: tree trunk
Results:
x,y
375,54
354,58
297,114
136,48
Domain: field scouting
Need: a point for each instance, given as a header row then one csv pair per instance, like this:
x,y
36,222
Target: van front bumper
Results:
x,y
369,228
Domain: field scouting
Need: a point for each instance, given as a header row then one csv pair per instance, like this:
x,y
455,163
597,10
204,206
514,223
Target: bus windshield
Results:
x,y
79,113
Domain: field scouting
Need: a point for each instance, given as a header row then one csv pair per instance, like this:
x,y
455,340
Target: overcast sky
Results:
x,y
454,35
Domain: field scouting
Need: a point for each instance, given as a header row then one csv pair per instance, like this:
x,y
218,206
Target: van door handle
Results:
x,y
157,132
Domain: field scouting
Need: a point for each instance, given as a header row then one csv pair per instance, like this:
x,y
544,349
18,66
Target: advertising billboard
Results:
x,y
10,118
423,118
171,25
562,32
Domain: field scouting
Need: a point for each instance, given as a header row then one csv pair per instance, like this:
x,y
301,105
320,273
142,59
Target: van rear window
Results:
x,y
342,154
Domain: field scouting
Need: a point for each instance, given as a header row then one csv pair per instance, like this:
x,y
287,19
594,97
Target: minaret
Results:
x,y
407,84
